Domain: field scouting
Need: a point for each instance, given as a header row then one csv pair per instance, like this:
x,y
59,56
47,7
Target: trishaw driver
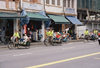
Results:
x,y
16,36
50,34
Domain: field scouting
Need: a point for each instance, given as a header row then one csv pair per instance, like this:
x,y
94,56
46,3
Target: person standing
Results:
x,y
99,38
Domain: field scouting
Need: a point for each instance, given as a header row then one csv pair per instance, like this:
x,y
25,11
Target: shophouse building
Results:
x,y
9,17
58,14
88,11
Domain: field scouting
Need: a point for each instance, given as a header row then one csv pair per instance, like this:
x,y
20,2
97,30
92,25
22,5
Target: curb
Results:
x,y
40,43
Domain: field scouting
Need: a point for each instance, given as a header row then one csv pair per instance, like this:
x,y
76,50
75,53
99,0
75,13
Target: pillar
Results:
x,y
16,25
97,26
43,31
92,26
63,27
7,4
80,16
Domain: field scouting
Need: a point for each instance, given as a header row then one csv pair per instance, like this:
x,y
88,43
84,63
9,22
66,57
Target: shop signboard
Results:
x,y
32,6
70,10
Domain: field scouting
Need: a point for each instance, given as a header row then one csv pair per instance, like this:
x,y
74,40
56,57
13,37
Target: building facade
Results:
x,y
9,17
88,11
59,14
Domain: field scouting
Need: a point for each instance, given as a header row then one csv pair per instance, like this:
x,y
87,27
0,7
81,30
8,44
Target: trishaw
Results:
x,y
17,44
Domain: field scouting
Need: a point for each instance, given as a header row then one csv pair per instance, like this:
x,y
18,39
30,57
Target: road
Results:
x,y
69,55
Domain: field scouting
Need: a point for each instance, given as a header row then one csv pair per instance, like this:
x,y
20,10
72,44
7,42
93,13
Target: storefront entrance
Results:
x,y
6,28
34,29
57,27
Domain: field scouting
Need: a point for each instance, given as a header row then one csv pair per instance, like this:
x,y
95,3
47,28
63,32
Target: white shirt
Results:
x,y
25,38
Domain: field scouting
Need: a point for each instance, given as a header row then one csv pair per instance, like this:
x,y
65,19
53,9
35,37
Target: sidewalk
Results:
x,y
33,44
2,45
40,43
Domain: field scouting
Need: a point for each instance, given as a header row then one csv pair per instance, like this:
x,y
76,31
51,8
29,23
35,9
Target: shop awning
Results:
x,y
58,19
37,16
6,15
73,20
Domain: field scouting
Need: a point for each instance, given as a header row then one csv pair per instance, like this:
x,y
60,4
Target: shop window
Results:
x,y
58,2
47,1
53,2
32,0
39,1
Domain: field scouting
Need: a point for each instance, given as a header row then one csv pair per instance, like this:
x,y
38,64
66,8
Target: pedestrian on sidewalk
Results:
x,y
99,38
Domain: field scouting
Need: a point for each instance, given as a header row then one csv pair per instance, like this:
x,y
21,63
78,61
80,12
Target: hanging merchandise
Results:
x,y
47,24
25,29
24,20
32,27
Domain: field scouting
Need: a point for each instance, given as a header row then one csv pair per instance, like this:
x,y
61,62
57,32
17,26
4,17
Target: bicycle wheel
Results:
x,y
46,42
27,46
11,45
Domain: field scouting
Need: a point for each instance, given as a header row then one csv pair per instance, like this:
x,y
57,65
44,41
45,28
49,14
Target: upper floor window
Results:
x,y
72,3
31,0
68,3
9,0
58,2
53,2
64,3
12,0
28,0
39,1
47,1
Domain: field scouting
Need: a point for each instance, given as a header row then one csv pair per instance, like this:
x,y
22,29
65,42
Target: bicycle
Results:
x,y
54,42
7,41
48,41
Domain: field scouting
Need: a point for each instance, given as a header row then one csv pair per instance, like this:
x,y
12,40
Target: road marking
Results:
x,y
22,54
90,43
97,58
65,60
70,43
68,48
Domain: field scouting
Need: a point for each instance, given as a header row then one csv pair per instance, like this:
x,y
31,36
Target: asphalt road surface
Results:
x,y
69,55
